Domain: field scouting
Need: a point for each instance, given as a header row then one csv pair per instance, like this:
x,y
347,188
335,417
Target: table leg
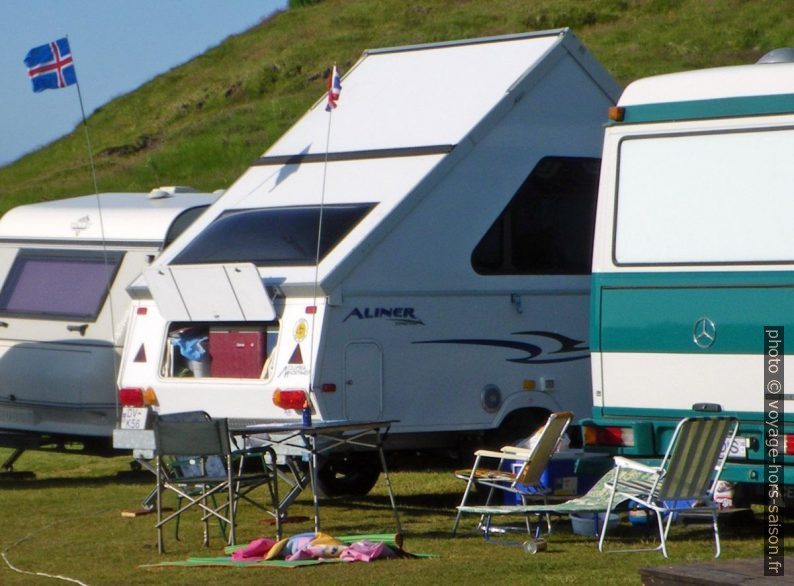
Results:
x,y
389,489
313,480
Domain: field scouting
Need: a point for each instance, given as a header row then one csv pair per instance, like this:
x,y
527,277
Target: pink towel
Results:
x,y
365,551
258,548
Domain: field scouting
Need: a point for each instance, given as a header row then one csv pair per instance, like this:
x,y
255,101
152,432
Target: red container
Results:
x,y
237,353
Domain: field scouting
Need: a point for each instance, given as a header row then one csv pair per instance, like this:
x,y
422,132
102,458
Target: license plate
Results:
x,y
738,449
134,417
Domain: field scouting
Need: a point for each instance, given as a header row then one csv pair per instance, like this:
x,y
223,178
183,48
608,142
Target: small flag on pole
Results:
x,y
334,89
50,66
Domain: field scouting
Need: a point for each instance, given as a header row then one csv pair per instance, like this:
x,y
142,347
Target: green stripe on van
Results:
x,y
657,312
716,108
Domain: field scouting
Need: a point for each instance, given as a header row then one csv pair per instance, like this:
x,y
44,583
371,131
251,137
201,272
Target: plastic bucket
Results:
x,y
589,524
200,368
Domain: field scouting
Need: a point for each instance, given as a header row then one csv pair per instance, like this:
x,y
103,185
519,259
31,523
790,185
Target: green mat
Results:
x,y
390,539
596,499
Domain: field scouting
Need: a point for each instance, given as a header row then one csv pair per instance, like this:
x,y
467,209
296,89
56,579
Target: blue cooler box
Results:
x,y
570,473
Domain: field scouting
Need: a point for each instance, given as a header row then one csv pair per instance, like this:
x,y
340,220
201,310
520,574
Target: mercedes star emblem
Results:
x,y
704,333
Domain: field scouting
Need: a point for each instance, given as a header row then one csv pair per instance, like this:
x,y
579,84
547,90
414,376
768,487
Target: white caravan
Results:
x,y
65,265
449,199
693,262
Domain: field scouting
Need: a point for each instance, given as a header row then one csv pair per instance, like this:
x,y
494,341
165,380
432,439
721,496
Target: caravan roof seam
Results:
x,y
80,243
419,151
462,42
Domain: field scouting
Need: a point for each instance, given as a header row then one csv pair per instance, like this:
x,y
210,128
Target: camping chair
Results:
x,y
183,469
525,483
684,480
197,440
195,460
250,465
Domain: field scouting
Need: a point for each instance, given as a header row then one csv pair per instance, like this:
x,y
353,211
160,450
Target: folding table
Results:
x,y
311,441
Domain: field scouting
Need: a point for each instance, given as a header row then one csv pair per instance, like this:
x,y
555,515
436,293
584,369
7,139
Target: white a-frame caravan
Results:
x,y
453,192
64,268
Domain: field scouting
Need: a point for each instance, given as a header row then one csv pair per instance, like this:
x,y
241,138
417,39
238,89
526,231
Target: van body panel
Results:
x,y
692,260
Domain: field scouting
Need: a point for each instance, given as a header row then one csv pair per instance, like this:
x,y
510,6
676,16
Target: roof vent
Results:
x,y
169,191
782,55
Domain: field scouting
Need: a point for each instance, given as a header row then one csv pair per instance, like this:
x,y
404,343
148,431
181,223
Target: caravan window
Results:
x,y
705,198
58,284
547,228
273,236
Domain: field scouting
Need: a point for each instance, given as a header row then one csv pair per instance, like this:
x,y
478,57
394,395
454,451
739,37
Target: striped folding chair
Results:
x,y
685,480
525,482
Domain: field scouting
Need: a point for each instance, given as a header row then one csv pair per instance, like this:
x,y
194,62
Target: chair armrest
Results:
x,y
493,454
622,462
516,450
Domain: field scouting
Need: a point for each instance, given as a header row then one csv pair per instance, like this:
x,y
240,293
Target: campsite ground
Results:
x,y
68,522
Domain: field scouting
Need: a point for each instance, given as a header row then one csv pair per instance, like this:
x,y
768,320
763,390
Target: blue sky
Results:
x,y
117,45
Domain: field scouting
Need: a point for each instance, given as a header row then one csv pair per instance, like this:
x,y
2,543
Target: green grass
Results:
x,y
67,522
202,123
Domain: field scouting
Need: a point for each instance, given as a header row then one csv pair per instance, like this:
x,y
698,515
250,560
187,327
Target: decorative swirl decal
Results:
x,y
537,354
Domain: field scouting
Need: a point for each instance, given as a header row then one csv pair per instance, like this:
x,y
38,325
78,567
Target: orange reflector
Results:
x,y
290,398
149,397
616,113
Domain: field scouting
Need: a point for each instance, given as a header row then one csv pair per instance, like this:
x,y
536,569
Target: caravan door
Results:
x,y
363,378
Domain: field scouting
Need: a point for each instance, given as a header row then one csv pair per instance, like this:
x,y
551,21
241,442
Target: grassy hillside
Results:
x,y
201,124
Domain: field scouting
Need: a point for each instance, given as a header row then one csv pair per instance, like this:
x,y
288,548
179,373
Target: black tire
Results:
x,y
348,475
518,425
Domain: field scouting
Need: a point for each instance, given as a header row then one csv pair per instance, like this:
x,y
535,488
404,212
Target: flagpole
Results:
x,y
319,234
106,262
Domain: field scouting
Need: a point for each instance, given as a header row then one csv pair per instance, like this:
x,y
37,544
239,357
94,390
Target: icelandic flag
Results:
x,y
334,89
50,66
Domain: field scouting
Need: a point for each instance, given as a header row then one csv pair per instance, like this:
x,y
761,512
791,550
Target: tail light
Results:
x,y
137,397
788,444
609,436
290,398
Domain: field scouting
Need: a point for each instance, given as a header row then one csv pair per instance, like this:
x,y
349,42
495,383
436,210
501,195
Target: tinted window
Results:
x,y
181,223
547,228
68,285
273,236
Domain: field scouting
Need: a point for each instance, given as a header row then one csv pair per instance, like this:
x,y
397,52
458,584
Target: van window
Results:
x,y
705,198
273,236
547,228
58,284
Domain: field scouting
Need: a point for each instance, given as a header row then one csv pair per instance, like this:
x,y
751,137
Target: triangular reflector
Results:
x,y
141,355
297,357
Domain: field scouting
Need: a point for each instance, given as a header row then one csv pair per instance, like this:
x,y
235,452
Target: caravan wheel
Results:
x,y
348,474
518,425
